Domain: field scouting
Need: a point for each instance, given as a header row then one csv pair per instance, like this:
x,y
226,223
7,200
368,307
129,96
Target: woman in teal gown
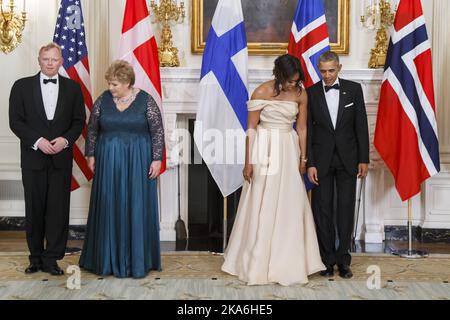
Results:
x,y
124,148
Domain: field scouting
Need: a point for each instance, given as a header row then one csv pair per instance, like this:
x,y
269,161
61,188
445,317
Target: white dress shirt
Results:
x,y
332,97
50,93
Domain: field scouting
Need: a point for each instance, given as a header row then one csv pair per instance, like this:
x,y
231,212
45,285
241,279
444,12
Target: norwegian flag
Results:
x,y
309,38
406,135
138,47
70,35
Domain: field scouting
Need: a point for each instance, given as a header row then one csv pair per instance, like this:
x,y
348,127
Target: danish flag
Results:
x,y
138,47
406,135
309,38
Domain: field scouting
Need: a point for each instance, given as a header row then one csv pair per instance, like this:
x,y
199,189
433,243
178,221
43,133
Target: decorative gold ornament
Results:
x,y
11,27
166,11
377,14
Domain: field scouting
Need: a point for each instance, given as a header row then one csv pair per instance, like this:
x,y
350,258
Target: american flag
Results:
x,y
70,35
309,38
406,135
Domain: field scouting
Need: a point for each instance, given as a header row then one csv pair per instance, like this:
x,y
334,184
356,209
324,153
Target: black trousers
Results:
x,y
47,205
323,209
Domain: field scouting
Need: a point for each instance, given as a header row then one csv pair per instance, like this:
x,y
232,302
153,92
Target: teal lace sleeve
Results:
x,y
156,128
92,128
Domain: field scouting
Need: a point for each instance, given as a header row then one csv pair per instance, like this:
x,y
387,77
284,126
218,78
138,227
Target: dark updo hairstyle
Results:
x,y
286,66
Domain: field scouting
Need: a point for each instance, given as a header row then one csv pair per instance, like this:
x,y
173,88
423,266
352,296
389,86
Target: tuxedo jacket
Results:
x,y
350,138
28,120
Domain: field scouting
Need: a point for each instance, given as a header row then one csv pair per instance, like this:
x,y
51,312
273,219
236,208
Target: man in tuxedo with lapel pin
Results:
x,y
46,112
338,153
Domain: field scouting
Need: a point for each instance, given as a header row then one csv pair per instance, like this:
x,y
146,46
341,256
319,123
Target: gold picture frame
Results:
x,y
337,12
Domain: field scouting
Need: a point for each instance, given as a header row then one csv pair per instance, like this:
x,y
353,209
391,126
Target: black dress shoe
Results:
x,y
328,272
54,270
345,272
33,268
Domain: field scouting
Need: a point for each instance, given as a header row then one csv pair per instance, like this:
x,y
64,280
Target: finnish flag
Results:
x,y
221,121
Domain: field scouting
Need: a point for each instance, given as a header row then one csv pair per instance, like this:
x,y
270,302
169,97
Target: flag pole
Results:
x,y
410,253
409,227
225,222
358,206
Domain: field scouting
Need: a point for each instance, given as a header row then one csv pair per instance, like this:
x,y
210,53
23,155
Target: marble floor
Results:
x,y
197,276
192,273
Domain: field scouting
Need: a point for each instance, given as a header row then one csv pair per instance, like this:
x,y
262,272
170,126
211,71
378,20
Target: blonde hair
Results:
x,y
50,46
121,71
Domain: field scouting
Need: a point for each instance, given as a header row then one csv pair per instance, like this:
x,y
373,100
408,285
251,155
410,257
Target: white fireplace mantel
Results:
x,y
180,88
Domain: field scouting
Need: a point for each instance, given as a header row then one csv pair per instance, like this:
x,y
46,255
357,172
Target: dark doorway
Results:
x,y
205,206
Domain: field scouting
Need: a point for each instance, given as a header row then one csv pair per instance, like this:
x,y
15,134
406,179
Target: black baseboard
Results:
x,y
12,223
77,232
18,224
392,233
419,234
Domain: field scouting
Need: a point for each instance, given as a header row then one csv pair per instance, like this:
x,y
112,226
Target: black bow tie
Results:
x,y
49,80
335,86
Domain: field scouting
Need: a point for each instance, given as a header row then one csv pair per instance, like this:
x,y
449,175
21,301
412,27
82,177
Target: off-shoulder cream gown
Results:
x,y
274,238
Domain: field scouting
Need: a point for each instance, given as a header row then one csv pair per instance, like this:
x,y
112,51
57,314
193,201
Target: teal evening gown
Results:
x,y
122,233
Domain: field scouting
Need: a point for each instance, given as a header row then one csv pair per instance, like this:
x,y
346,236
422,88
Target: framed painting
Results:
x,y
268,24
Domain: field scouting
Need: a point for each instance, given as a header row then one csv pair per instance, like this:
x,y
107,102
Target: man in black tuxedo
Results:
x,y
46,112
338,153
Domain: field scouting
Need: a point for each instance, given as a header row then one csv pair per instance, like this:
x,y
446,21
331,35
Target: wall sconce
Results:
x,y
11,27
377,14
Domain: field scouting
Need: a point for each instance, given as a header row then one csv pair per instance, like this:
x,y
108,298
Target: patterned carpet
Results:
x,y
197,275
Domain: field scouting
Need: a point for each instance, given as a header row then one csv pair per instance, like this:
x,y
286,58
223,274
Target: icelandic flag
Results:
x,y
406,135
221,120
308,40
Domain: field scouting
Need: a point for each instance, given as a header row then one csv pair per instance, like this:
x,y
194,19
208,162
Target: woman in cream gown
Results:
x,y
274,238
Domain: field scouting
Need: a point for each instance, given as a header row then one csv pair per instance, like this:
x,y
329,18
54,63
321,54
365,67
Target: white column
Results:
x,y
96,27
96,24
373,215
435,201
168,186
441,66
168,204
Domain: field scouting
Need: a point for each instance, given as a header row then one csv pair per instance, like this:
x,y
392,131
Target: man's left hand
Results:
x,y
363,169
58,144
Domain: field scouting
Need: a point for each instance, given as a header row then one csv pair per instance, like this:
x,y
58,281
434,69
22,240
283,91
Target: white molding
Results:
x,y
185,74
437,202
10,160
12,208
